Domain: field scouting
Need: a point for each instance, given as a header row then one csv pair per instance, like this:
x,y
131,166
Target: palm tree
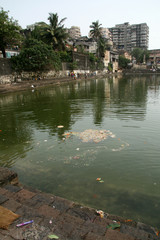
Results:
x,y
95,33
95,30
55,33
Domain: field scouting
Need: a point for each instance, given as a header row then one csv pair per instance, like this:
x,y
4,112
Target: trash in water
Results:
x,y
60,126
112,136
76,157
53,236
77,149
101,213
98,179
91,135
97,136
50,221
113,226
101,181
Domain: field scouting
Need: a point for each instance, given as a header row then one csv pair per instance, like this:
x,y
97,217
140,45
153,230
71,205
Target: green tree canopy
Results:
x,y
102,46
123,62
140,55
55,33
9,32
36,56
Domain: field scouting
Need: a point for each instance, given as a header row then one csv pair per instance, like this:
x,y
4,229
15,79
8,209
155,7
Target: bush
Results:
x,y
123,62
65,56
36,56
110,67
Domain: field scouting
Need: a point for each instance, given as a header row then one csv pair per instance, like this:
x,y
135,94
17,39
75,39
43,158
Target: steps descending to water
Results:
x,y
57,218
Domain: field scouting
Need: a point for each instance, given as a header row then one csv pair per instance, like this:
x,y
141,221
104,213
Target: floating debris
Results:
x,y
101,181
98,179
91,135
60,126
76,157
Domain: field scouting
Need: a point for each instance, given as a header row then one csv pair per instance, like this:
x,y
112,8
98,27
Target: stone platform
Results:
x,y
67,220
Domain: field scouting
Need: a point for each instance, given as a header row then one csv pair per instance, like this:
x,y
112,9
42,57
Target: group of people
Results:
x,y
76,75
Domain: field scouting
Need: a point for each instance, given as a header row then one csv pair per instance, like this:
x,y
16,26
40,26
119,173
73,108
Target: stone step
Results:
x,y
66,219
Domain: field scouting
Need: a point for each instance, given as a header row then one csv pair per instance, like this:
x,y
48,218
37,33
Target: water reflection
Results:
x,y
47,108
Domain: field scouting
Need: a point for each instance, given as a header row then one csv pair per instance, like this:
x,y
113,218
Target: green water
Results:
x,y
129,163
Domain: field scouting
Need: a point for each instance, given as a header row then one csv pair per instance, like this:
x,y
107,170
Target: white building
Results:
x,y
74,32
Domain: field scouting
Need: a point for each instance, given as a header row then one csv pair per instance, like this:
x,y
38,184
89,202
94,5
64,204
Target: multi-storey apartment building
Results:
x,y
74,32
127,37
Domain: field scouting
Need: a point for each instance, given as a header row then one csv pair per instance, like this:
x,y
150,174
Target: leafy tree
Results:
x,y
100,64
55,33
36,56
102,46
9,32
37,32
140,55
123,62
65,56
93,61
110,67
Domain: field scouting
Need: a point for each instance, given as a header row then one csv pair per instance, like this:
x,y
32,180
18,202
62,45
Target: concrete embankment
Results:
x,y
35,84
57,218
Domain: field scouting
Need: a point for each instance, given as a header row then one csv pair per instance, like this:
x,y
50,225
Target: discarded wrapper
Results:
x,y
101,213
25,223
60,126
98,179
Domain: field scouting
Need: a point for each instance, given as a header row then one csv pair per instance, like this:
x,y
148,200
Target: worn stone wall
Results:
x,y
5,67
7,76
5,71
82,60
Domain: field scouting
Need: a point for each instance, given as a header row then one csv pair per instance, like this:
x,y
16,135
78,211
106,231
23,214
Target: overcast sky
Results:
x,y
83,12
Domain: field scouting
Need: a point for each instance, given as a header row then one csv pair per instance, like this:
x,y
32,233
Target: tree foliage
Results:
x,y
65,56
123,62
36,56
95,31
140,55
55,33
9,32
96,34
102,46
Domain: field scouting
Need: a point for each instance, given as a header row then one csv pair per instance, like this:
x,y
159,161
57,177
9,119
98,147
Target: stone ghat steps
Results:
x,y
65,219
